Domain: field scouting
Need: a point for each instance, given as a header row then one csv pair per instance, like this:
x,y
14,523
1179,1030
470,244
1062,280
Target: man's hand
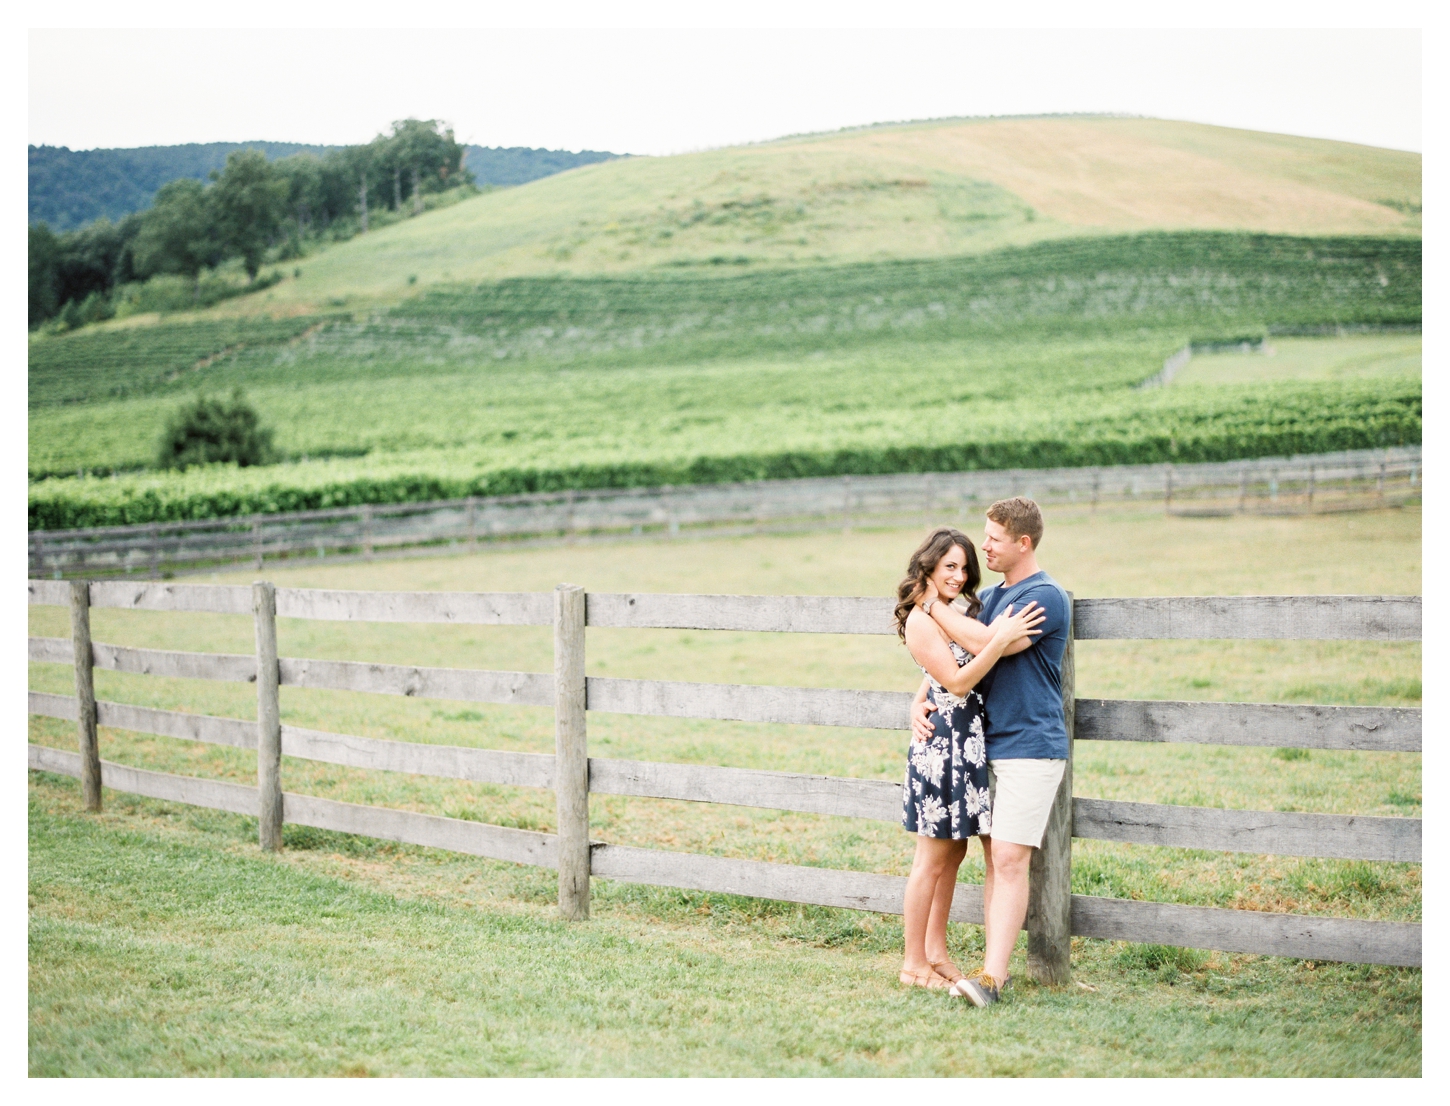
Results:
x,y
921,727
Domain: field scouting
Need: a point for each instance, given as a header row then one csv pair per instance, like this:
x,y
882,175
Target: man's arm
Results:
x,y
967,632
921,727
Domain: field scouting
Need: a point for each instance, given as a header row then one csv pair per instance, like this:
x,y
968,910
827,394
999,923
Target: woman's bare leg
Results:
x,y
941,904
935,859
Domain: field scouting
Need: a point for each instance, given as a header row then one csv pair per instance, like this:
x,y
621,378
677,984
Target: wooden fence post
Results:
x,y
269,719
367,532
1049,895
80,635
571,752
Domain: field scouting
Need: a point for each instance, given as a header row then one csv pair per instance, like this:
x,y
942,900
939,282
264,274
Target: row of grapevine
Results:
x,y
1208,424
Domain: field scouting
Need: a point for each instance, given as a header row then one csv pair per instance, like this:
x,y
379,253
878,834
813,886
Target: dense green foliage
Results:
x,y
208,431
254,209
94,365
1026,357
70,188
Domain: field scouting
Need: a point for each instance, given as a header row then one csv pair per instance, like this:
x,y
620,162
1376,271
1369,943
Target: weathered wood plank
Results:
x,y
85,684
232,667
52,650
174,723
1205,927
799,614
501,608
215,794
139,596
880,710
571,752
879,800
456,835
534,689
49,593
1279,833
451,761
54,706
453,834
1277,725
1049,889
785,882
269,718
1319,617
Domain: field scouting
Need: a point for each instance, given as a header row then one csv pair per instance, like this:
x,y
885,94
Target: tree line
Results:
x,y
253,210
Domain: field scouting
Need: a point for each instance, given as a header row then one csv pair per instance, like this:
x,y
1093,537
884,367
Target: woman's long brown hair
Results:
x,y
923,563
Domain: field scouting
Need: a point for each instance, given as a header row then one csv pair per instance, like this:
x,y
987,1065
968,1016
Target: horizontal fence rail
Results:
x,y
1321,482
1352,837
1260,832
1322,617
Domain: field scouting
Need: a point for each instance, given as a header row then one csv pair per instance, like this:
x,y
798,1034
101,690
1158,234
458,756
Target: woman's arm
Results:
x,y
970,634
930,650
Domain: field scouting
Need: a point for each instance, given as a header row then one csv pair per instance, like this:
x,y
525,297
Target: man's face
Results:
x,y
1003,551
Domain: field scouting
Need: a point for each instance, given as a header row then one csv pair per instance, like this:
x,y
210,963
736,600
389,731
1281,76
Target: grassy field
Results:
x,y
919,190
742,313
1323,361
712,957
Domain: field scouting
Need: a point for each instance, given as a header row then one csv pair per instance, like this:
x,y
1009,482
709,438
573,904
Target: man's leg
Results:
x,y
1005,900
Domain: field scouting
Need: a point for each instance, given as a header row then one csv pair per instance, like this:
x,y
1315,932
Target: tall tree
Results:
x,y
251,202
179,233
44,274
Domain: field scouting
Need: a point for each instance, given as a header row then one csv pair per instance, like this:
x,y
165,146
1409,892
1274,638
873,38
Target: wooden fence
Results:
x,y
1271,485
1054,913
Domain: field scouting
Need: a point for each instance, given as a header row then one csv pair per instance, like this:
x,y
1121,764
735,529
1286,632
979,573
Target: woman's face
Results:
x,y
950,574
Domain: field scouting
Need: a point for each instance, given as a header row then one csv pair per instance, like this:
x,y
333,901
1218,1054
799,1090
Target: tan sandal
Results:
x,y
947,970
928,979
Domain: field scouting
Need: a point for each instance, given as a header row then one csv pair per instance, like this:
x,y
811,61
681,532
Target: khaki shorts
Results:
x,y
1022,794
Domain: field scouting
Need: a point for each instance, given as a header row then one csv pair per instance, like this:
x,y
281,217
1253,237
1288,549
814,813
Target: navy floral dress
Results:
x,y
945,791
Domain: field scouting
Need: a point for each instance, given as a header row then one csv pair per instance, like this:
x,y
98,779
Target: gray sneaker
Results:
x,y
980,988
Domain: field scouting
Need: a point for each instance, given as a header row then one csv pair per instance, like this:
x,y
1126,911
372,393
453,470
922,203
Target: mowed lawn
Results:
x,y
164,942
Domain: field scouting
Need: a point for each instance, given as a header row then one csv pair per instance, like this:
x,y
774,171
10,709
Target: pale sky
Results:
x,y
648,91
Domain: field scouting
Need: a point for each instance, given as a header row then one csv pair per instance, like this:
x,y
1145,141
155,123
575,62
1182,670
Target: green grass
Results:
x,y
163,943
940,189
184,975
1352,357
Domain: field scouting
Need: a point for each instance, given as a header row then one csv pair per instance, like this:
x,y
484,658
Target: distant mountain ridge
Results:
x,y
69,188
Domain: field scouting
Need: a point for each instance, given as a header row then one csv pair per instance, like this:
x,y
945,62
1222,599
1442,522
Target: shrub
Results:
x,y
209,430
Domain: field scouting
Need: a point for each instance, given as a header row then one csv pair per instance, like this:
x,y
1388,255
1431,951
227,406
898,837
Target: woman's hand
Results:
x,y
928,595
1008,627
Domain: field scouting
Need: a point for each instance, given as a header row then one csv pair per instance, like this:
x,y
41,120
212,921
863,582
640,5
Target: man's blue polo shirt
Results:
x,y
1023,692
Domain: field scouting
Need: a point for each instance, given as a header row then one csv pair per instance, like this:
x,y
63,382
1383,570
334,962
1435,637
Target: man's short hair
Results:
x,y
1020,517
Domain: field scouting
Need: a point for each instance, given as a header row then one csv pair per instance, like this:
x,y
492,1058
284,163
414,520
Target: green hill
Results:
x,y
874,301
918,190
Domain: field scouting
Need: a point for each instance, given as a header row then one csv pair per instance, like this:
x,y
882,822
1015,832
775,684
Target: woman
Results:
x,y
944,796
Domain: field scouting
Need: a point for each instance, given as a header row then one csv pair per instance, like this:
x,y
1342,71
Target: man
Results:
x,y
1026,731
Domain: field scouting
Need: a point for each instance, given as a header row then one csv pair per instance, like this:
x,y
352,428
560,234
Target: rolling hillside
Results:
x,y
776,310
918,190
